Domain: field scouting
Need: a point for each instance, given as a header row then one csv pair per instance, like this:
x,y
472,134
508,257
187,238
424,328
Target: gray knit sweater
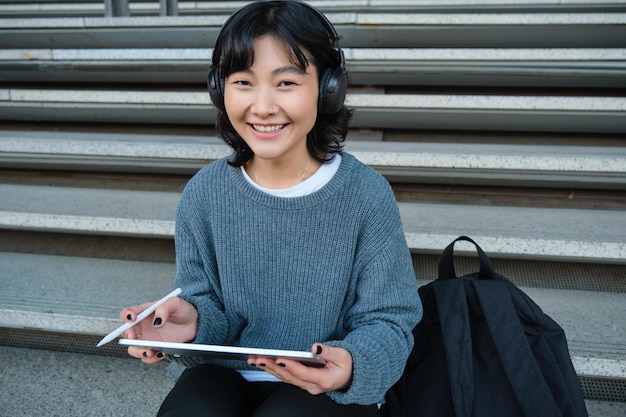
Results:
x,y
331,267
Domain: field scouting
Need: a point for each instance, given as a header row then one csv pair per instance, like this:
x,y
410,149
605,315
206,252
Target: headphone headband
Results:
x,y
331,29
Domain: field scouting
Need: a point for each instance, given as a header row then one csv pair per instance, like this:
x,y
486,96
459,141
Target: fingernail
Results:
x,y
319,349
157,321
282,365
129,317
262,364
145,354
160,355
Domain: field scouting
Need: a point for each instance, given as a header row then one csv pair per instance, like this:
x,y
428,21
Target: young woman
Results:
x,y
290,243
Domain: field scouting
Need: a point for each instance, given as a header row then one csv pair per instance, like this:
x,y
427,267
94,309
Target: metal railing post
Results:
x,y
169,7
115,8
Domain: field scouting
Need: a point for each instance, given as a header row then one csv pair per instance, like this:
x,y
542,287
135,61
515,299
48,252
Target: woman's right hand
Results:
x,y
176,320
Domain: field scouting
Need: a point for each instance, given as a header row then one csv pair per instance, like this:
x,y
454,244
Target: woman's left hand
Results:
x,y
335,376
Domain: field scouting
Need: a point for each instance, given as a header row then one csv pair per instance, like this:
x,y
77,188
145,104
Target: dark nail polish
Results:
x,y
282,365
319,349
158,321
145,354
160,355
262,364
129,317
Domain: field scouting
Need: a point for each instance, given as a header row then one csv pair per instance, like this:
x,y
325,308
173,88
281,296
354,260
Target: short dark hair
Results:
x,y
304,34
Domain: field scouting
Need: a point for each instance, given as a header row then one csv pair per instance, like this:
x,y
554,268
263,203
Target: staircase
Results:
x,y
503,121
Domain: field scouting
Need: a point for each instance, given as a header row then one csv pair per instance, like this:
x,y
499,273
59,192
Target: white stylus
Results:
x,y
115,333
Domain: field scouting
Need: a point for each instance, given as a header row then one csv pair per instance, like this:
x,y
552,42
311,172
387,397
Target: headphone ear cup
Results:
x,y
216,88
333,87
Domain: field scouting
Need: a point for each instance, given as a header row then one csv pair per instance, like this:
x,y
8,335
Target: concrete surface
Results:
x,y
40,383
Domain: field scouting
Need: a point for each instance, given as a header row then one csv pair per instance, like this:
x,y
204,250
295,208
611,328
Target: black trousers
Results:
x,y
215,391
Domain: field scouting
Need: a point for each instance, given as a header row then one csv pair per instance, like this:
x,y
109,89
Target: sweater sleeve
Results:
x,y
385,310
196,274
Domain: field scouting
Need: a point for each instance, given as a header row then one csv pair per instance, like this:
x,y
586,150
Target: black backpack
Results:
x,y
484,349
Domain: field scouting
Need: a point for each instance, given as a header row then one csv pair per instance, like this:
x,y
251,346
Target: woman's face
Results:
x,y
273,103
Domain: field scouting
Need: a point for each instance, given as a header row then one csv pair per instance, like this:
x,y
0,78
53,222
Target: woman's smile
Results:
x,y
268,128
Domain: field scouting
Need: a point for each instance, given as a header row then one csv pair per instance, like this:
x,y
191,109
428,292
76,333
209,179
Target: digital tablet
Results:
x,y
225,352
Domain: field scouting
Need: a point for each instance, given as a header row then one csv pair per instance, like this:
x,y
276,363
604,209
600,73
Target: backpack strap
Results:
x,y
455,327
457,342
446,262
517,359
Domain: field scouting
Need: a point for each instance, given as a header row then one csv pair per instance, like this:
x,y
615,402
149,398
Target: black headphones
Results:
x,y
333,82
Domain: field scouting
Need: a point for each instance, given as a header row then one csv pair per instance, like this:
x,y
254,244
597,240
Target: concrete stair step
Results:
x,y
518,232
72,294
29,9
50,383
553,67
598,167
393,30
54,8
89,210
377,111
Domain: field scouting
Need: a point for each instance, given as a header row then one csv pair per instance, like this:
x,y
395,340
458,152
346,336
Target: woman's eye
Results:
x,y
287,83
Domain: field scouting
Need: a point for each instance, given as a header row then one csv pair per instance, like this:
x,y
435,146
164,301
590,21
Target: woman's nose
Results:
x,y
264,103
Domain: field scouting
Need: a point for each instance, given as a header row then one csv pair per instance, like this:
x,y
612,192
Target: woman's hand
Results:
x,y
176,320
335,376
